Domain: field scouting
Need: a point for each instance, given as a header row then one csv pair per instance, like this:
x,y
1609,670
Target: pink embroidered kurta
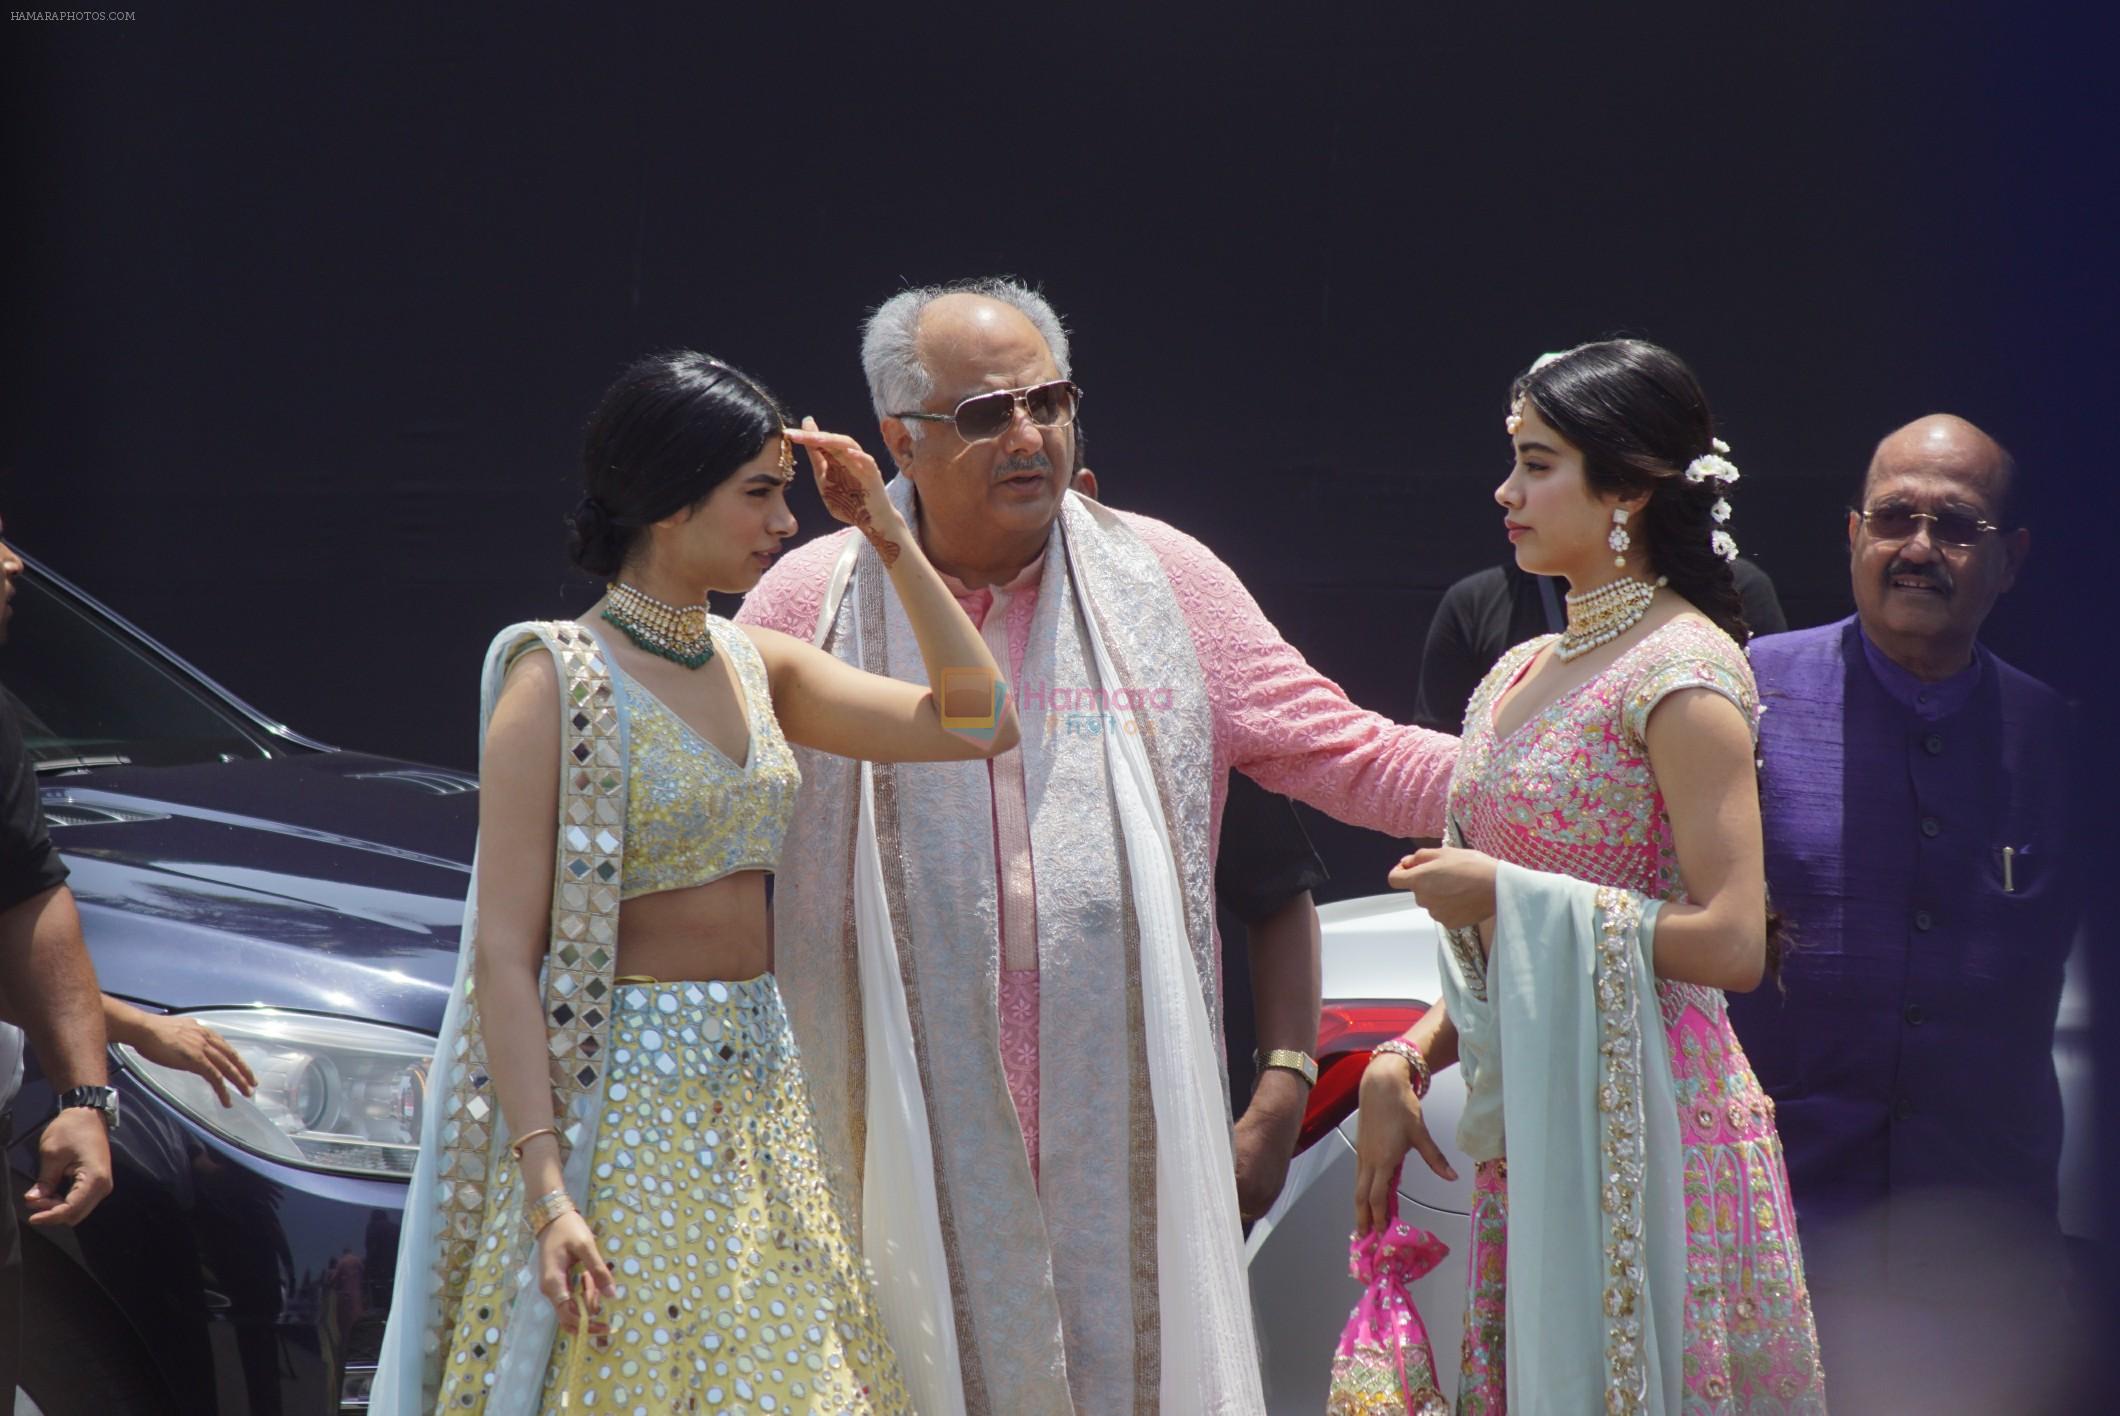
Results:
x,y
1570,791
1276,719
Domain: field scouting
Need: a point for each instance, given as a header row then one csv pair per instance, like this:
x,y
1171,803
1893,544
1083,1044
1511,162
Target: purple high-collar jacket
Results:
x,y
1914,1046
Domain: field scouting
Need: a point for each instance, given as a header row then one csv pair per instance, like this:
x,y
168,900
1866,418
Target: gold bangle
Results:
x,y
1418,1065
527,1137
1289,1060
540,1212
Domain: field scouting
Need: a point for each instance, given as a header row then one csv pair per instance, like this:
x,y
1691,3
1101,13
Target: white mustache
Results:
x,y
1036,462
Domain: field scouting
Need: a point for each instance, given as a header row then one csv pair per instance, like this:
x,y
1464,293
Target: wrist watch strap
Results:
x,y
1289,1060
101,1100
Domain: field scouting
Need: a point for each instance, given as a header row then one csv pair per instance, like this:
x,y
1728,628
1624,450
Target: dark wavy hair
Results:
x,y
1639,417
671,429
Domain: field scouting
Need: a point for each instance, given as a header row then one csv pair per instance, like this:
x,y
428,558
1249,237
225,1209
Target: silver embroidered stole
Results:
x,y
465,1295
1564,1049
1055,1289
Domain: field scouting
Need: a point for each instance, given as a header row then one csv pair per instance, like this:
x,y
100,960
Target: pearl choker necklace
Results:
x,y
677,633
1602,615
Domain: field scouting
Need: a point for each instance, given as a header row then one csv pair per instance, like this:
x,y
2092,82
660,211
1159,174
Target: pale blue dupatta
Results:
x,y
462,1229
1564,1052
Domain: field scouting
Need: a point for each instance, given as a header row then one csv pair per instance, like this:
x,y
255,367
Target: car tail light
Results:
x,y
1347,1031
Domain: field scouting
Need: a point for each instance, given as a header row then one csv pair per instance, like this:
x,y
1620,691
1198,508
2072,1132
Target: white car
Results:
x,y
1379,970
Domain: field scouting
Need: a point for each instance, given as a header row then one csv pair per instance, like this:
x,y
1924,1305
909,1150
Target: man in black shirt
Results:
x,y
1264,874
48,988
1482,616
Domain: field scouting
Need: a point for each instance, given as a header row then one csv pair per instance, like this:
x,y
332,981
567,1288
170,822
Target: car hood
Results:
x,y
330,883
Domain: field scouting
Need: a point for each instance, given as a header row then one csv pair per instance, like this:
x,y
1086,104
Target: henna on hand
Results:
x,y
844,498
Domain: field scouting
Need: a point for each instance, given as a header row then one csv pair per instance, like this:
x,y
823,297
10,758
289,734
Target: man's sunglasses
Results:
x,y
987,415
1946,528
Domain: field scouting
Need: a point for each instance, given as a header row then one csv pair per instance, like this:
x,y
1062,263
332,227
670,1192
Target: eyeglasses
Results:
x,y
988,415
1946,528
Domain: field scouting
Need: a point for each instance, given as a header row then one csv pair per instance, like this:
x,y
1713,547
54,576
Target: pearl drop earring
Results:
x,y
1619,540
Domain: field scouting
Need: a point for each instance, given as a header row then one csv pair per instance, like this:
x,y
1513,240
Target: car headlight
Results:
x,y
333,1094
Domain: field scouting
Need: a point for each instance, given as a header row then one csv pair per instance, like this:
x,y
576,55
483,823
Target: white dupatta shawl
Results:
x,y
1563,1048
1208,1360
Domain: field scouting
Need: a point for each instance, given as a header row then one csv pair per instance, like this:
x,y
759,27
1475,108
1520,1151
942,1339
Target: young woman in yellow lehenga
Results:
x,y
619,1205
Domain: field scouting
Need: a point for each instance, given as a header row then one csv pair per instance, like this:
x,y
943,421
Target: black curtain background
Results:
x,y
305,311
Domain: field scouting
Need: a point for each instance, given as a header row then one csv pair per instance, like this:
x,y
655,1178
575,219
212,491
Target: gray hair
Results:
x,y
898,381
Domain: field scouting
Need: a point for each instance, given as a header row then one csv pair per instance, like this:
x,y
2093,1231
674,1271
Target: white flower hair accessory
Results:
x,y
1717,468
1712,466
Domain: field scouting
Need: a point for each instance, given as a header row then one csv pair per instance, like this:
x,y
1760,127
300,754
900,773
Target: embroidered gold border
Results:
x,y
1145,1276
1623,1148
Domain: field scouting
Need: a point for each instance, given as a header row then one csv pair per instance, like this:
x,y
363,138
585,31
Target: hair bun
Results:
x,y
591,520
594,538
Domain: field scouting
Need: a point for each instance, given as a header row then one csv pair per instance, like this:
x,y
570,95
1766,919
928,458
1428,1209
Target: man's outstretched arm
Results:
x,y
1287,726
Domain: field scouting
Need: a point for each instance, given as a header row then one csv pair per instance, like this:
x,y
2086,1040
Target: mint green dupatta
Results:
x,y
1565,1057
467,1325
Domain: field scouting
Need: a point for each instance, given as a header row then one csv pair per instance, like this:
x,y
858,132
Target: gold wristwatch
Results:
x,y
1289,1060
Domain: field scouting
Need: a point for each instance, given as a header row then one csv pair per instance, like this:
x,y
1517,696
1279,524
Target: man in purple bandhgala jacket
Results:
x,y
1915,800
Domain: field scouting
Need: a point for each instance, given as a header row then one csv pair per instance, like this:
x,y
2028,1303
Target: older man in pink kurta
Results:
x,y
1025,1012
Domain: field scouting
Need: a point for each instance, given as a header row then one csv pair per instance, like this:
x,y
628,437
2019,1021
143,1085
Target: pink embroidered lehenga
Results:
x,y
1571,792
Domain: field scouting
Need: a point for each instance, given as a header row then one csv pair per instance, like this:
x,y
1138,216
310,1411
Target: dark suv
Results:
x,y
307,903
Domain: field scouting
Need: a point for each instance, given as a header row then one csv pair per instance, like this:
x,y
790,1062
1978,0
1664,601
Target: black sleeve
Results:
x,y
1451,666
28,864
1266,858
1763,613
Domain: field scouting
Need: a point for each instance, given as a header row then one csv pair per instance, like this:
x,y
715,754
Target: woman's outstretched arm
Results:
x,y
824,704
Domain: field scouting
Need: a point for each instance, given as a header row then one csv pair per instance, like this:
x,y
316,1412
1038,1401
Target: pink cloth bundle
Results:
x,y
1384,1365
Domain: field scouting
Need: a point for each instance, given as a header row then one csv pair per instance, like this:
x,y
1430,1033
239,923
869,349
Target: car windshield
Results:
x,y
88,696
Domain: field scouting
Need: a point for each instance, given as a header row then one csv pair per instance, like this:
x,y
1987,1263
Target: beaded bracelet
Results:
x,y
540,1212
1399,1047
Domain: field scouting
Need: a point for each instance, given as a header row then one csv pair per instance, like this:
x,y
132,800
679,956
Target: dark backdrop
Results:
x,y
305,313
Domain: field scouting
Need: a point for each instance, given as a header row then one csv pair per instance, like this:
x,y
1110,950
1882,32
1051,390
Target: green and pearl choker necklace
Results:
x,y
677,633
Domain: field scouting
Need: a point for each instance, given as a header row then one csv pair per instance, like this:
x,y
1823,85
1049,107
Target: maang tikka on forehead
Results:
x,y
1515,420
787,445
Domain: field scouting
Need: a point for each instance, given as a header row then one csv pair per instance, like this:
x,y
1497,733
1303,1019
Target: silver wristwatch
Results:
x,y
101,1100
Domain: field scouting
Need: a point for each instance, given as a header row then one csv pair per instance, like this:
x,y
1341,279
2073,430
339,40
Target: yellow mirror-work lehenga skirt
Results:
x,y
737,1287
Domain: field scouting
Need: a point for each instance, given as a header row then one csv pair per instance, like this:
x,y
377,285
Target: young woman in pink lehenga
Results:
x,y
1604,855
